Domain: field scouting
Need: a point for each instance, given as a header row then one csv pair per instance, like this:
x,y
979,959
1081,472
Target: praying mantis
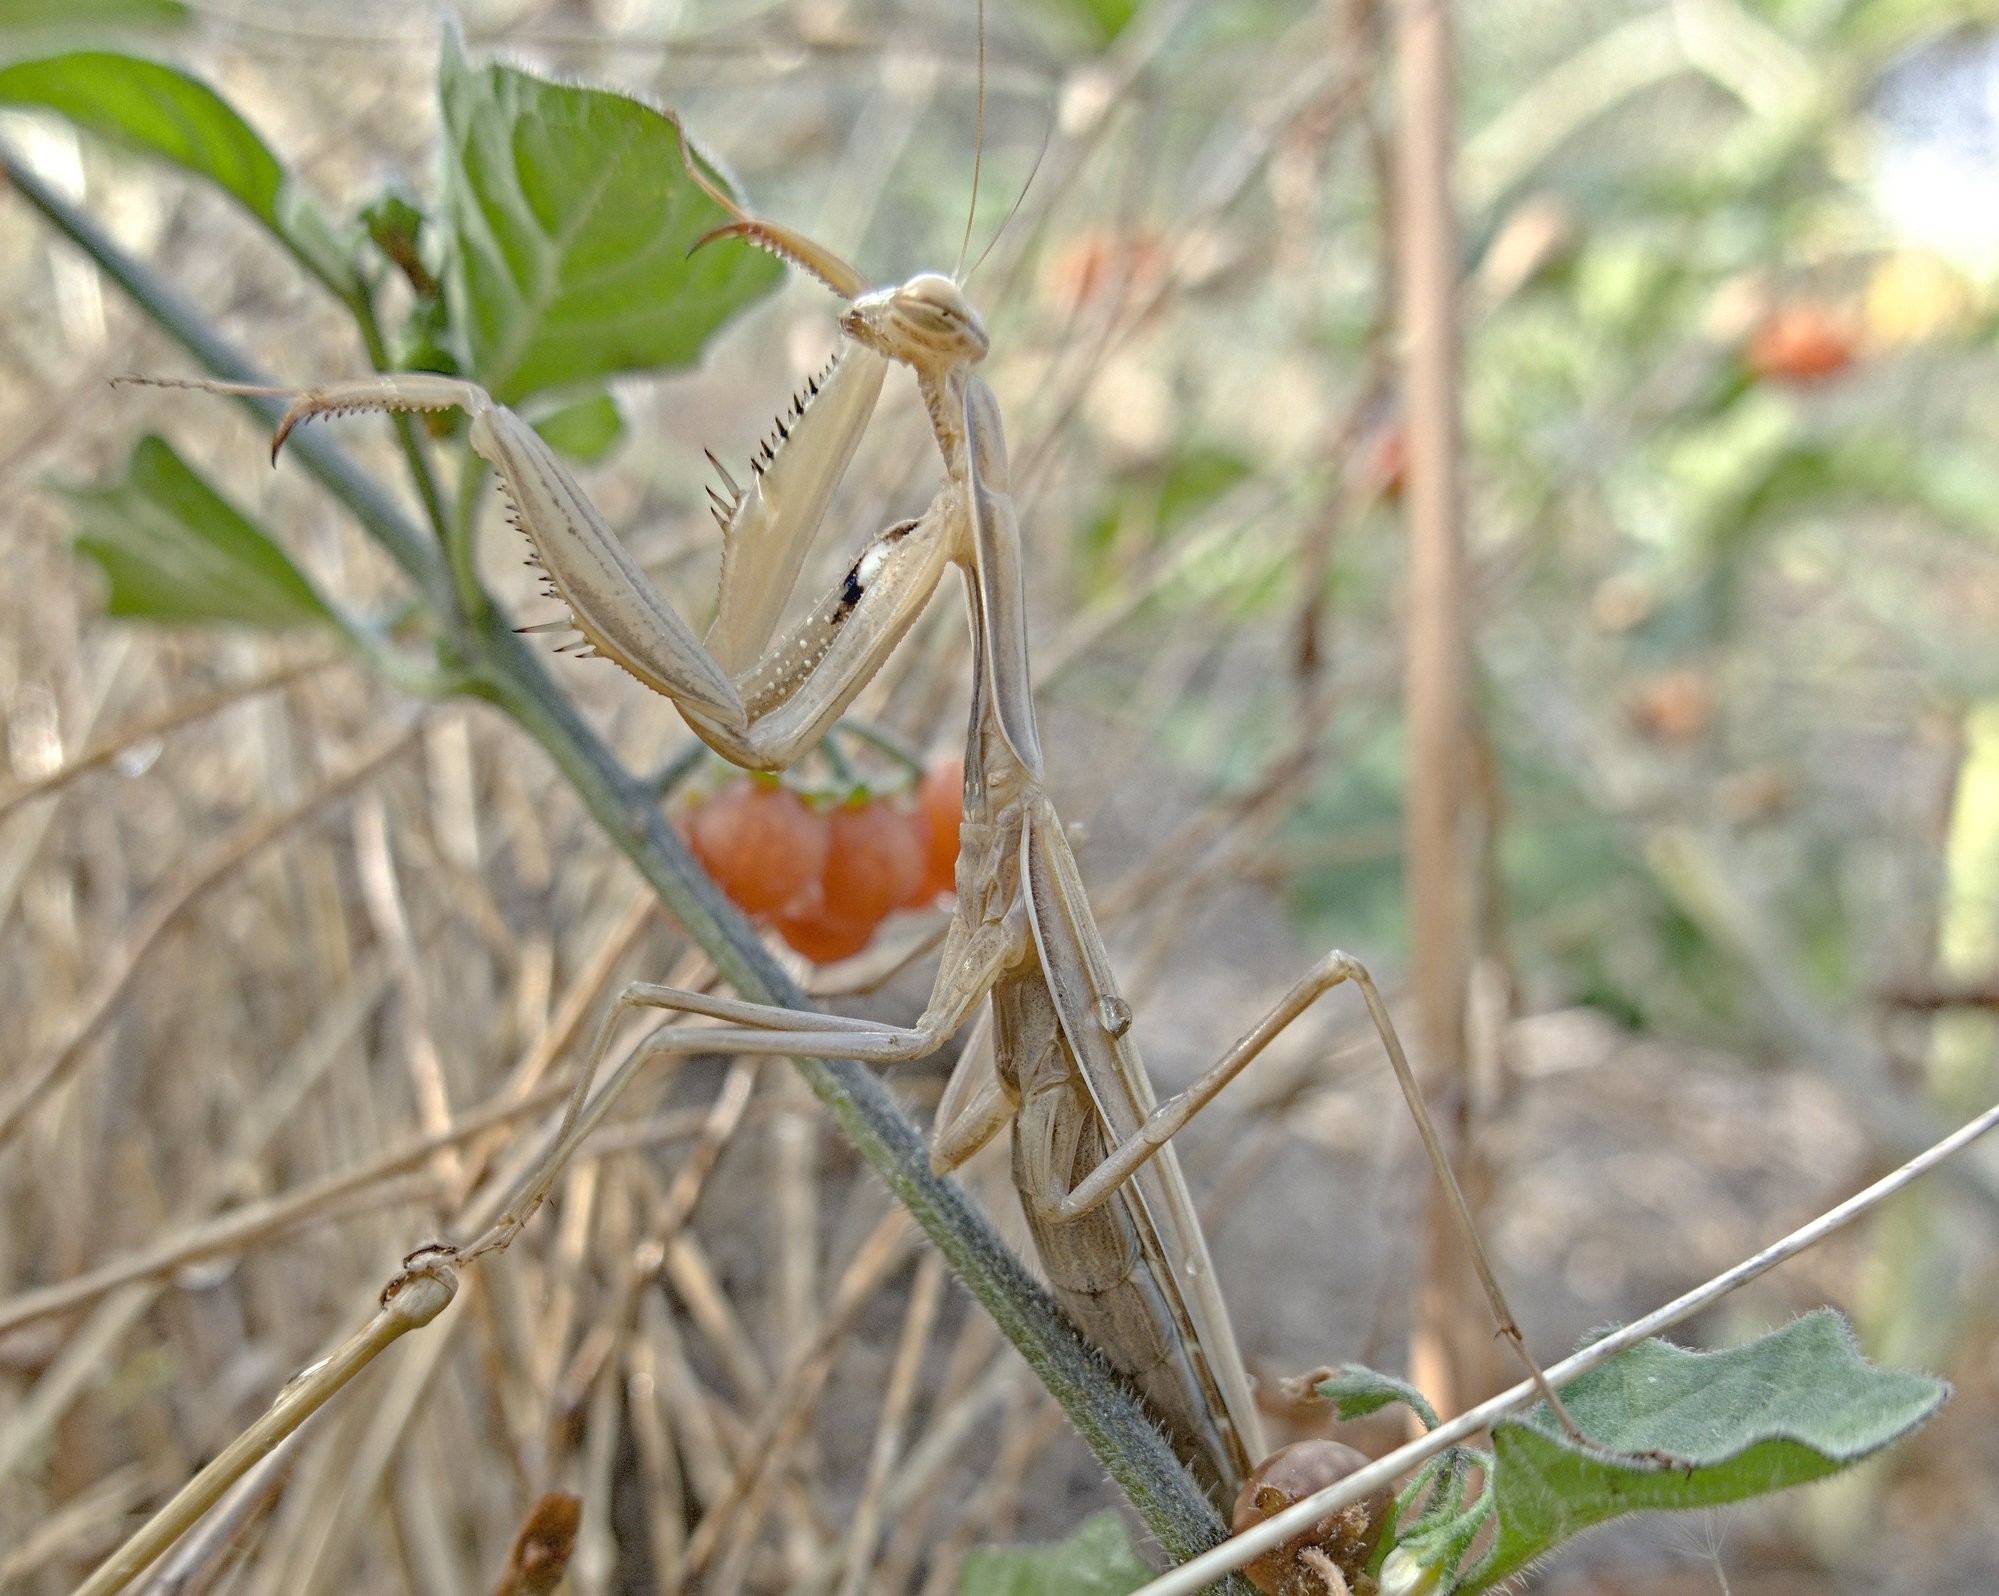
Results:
x,y
1106,1202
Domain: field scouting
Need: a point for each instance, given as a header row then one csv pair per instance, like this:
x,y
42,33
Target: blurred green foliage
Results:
x,y
1716,401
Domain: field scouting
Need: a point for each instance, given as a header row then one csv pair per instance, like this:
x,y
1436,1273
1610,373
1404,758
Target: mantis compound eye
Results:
x,y
1328,1558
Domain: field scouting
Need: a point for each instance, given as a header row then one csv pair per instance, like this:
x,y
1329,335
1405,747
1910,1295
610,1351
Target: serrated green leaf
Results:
x,y
1356,1391
1795,1405
584,429
89,16
161,111
1095,1561
175,550
571,217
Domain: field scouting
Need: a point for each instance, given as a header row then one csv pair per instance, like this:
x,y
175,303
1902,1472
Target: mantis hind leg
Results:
x,y
1166,1121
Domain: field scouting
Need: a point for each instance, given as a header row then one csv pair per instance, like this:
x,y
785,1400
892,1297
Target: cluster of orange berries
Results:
x,y
825,877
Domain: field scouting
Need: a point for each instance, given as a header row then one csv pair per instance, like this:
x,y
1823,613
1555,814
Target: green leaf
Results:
x,y
584,429
1103,19
395,223
175,550
1796,1405
1096,1561
571,217
161,111
89,16
1196,477
423,344
1356,1391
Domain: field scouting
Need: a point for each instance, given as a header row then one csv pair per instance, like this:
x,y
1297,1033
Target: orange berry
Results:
x,y
1801,343
1385,468
875,863
1100,261
824,937
1674,706
940,806
764,845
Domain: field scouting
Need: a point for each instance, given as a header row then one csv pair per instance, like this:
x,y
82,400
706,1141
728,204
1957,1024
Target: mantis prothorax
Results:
x,y
1101,1186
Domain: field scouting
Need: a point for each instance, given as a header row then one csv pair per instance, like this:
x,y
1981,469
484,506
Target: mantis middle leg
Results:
x,y
974,958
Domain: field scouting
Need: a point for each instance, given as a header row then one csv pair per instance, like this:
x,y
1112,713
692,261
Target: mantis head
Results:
x,y
926,323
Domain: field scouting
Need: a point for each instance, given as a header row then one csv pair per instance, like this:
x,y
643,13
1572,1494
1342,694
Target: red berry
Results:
x,y
1801,343
875,863
940,806
764,845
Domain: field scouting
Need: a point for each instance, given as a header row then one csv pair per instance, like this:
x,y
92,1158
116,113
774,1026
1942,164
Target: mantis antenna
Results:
x,y
978,156
1047,133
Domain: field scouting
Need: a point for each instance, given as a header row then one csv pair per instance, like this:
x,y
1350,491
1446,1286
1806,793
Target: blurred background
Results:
x,y
1729,502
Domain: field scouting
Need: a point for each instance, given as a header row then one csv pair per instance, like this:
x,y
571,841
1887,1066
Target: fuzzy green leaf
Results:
x,y
1796,1405
584,429
1095,1561
571,218
175,550
161,111
1355,1391
72,17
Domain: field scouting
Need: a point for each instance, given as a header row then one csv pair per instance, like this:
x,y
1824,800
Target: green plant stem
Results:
x,y
461,539
836,762
500,667
665,780
362,304
884,741
1103,1411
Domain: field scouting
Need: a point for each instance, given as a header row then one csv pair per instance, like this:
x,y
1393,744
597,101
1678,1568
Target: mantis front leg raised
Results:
x,y
759,702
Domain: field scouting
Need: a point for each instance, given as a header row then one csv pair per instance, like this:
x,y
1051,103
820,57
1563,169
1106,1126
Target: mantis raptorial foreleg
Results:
x,y
760,703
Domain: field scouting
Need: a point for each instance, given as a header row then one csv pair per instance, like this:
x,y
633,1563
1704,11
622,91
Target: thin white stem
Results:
x,y
1240,1550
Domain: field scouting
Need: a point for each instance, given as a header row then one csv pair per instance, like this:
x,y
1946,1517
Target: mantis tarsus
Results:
x,y
1102,1189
